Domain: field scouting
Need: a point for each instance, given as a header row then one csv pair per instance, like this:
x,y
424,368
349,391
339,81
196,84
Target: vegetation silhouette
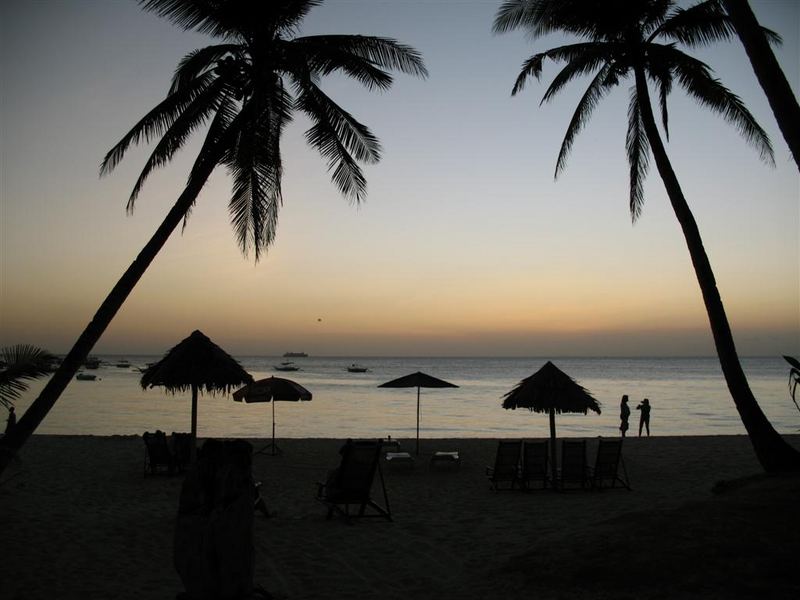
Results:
x,y
768,72
21,363
245,90
621,38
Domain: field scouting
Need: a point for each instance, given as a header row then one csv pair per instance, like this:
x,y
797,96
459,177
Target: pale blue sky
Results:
x,y
465,246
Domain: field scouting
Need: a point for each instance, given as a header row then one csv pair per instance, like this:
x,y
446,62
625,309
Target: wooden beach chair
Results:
x,y
181,445
606,472
534,465
157,454
350,485
506,465
573,470
445,458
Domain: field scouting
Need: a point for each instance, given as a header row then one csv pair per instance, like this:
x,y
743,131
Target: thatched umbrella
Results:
x,y
198,364
417,380
552,391
272,389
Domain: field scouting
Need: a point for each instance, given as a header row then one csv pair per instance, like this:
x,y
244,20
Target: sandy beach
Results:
x,y
79,520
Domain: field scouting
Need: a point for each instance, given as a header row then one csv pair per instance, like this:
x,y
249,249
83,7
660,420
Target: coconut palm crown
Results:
x,y
619,37
640,39
245,90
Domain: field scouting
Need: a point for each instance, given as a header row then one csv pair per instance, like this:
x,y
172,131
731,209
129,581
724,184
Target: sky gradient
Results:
x,y
465,246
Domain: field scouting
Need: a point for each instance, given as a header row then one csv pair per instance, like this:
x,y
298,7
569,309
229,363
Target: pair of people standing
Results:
x,y
625,413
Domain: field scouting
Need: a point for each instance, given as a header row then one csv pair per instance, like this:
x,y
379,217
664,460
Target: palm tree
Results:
x,y
638,38
21,363
244,90
768,72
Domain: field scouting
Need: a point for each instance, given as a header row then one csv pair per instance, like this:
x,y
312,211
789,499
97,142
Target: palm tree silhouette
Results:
x,y
769,73
245,91
639,38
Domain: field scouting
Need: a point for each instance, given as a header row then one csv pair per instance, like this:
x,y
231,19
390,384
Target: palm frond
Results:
x,y
661,74
598,88
192,118
541,17
157,121
695,77
582,59
256,167
336,52
23,363
699,25
198,62
638,149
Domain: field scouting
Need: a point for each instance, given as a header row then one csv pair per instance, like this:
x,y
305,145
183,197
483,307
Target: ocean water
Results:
x,y
688,396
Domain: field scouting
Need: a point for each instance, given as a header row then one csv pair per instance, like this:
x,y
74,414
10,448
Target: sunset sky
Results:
x,y
465,246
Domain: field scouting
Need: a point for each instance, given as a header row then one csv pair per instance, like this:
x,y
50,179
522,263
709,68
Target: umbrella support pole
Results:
x,y
271,448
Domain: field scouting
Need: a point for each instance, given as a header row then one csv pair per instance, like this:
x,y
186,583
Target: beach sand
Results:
x,y
80,521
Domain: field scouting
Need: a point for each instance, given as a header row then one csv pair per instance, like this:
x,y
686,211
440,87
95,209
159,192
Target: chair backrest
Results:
x,y
182,448
607,463
534,460
506,463
356,472
573,460
158,452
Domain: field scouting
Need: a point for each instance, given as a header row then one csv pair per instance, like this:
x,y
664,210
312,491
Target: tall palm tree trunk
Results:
x,y
768,71
11,443
773,452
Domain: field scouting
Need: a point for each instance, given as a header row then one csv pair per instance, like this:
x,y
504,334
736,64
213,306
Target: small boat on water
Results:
x,y
295,355
85,376
356,368
287,366
92,362
123,364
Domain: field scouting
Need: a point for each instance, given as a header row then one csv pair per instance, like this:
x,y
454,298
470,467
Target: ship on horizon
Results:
x,y
295,355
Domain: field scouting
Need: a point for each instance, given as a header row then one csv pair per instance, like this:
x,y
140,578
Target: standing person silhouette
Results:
x,y
644,418
624,414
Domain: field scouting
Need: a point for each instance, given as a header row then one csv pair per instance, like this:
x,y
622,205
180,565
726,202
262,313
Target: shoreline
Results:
x,y
80,520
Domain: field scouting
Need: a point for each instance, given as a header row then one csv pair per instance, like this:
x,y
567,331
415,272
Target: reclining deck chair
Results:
x,y
157,453
606,469
351,483
506,465
573,465
534,464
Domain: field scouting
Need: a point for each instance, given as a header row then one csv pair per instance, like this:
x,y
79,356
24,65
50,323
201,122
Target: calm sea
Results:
x,y
688,396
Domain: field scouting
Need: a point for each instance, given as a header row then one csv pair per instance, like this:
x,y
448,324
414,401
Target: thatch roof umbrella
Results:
x,y
552,391
417,380
198,364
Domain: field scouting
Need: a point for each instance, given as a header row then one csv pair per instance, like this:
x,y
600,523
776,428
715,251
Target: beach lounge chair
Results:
x,y
157,454
606,472
399,459
350,485
534,464
450,458
573,470
181,446
506,465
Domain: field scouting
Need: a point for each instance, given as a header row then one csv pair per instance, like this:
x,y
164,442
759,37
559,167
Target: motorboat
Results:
x,y
356,368
85,376
123,364
295,355
287,366
92,362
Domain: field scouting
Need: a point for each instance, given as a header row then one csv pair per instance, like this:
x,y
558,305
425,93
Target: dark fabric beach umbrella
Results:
x,y
417,380
198,364
551,391
272,389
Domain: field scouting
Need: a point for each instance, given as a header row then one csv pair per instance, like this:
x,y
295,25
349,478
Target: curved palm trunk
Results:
x,y
768,71
11,443
774,453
